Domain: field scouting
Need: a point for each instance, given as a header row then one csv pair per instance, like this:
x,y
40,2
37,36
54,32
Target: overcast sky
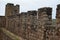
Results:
x,y
26,5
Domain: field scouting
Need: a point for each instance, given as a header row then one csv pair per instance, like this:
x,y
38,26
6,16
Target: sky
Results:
x,y
26,5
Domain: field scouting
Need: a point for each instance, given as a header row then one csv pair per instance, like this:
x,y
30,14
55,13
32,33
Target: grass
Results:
x,y
11,35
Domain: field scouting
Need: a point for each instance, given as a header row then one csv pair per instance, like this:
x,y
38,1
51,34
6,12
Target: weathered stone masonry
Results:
x,y
30,25
58,22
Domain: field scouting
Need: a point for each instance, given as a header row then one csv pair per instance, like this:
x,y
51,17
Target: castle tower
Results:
x,y
11,9
58,22
45,22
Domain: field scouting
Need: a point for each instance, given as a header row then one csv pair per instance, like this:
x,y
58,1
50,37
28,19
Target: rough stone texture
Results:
x,y
30,25
2,21
12,18
45,17
58,22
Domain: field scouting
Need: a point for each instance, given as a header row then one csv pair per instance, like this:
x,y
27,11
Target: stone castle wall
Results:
x,y
31,25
